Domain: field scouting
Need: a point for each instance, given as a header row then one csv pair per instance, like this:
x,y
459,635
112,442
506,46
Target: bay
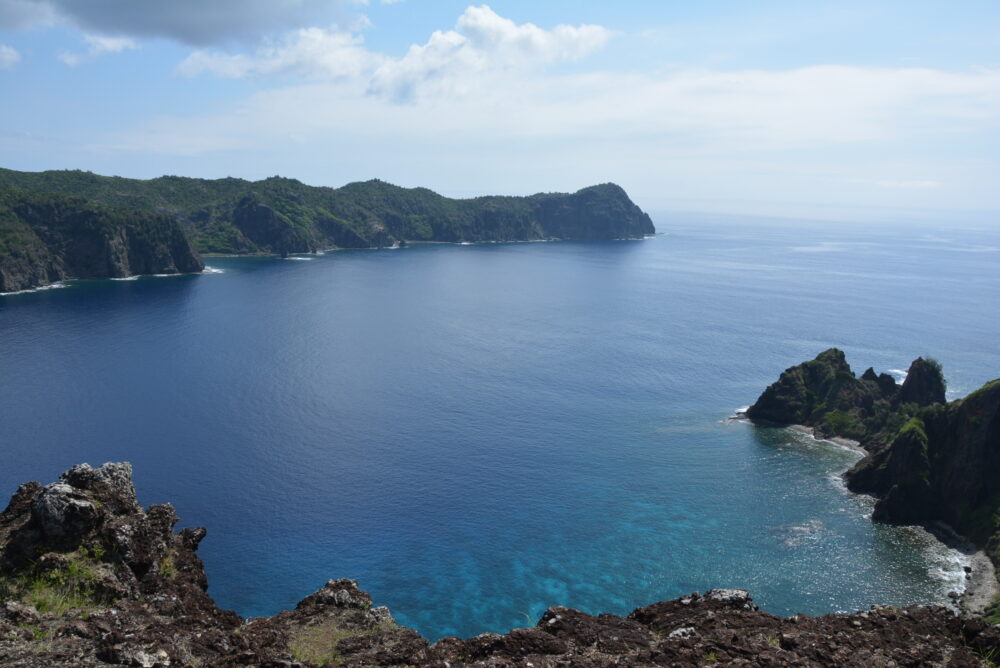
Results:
x,y
476,433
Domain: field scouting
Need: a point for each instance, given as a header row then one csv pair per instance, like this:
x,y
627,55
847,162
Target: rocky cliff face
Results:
x,y
943,464
49,238
90,578
927,460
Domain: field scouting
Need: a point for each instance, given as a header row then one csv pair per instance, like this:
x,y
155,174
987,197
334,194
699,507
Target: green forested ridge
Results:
x,y
280,215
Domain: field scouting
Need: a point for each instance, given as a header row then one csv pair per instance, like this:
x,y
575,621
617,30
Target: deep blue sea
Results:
x,y
475,433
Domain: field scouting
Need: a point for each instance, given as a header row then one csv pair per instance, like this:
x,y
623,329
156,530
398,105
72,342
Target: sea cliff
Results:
x,y
88,577
46,238
928,461
279,216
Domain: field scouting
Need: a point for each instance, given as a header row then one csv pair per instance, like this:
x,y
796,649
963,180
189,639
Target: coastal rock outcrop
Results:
x,y
928,461
90,578
824,394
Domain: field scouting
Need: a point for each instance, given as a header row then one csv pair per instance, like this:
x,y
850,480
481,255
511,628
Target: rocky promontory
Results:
x,y
88,577
928,461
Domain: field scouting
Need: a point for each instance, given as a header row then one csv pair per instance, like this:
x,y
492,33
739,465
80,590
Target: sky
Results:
x,y
708,105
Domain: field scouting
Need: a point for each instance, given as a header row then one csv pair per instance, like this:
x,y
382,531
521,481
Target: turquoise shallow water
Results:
x,y
475,433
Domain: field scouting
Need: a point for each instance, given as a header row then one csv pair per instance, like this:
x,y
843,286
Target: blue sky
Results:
x,y
711,105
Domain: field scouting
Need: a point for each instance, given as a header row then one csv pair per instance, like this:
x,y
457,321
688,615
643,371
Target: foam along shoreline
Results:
x,y
981,585
740,415
50,286
67,283
848,443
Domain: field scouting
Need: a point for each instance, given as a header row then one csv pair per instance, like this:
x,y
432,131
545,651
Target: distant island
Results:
x,y
927,461
56,225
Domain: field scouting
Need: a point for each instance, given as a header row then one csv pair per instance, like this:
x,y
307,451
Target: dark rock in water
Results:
x,y
127,591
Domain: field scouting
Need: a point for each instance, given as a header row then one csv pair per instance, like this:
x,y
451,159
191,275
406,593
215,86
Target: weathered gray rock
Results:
x,y
64,512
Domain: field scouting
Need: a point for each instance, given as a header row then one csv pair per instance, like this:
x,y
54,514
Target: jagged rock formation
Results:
x,y
284,216
927,461
825,394
46,238
89,578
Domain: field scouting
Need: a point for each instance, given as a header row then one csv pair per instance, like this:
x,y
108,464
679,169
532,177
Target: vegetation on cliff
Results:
x,y
90,578
280,215
928,461
46,237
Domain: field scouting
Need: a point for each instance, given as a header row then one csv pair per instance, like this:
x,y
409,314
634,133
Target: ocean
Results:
x,y
476,433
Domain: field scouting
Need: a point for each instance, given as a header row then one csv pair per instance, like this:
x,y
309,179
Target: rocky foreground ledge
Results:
x,y
90,578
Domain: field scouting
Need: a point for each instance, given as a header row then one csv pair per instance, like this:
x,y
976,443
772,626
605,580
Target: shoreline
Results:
x,y
69,282
848,443
981,585
484,242
64,283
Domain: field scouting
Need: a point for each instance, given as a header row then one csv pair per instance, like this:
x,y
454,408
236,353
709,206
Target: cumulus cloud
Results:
x,y
482,41
451,61
97,46
311,52
194,22
8,57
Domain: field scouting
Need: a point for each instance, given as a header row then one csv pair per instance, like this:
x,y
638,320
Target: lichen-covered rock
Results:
x,y
112,482
64,513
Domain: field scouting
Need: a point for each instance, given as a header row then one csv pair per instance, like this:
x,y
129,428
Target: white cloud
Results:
x,y
456,60
482,41
97,46
308,51
9,57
